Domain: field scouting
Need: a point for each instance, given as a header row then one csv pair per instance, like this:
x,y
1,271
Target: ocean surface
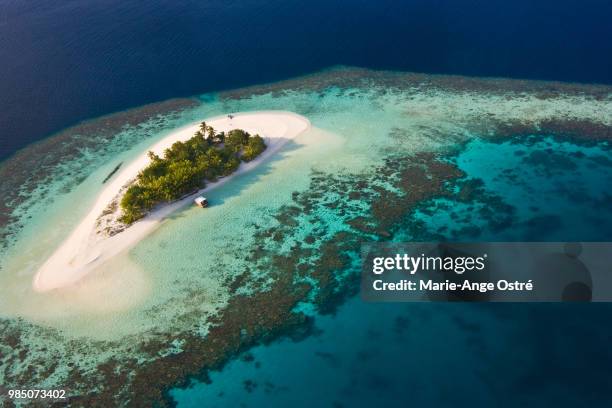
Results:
x,y
156,301
71,61
63,62
442,355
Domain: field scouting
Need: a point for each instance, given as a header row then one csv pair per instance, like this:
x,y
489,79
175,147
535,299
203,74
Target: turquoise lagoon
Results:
x,y
539,187
377,354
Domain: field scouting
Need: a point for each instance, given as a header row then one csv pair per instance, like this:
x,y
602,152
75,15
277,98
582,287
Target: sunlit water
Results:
x,y
177,277
372,354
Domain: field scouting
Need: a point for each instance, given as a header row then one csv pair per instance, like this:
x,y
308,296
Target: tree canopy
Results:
x,y
186,166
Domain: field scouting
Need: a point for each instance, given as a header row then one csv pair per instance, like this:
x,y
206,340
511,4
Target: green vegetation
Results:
x,y
253,148
186,166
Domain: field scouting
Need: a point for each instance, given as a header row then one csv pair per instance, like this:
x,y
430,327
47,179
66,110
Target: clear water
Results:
x,y
69,61
557,191
450,354
176,278
425,355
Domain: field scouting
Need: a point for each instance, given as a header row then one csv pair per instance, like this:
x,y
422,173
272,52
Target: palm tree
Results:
x,y
211,132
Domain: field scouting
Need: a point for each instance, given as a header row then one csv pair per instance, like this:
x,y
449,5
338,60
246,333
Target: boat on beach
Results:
x,y
201,202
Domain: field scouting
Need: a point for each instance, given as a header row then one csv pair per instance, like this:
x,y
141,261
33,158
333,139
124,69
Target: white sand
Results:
x,y
84,250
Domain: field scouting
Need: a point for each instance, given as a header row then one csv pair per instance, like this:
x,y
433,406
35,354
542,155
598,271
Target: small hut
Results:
x,y
201,202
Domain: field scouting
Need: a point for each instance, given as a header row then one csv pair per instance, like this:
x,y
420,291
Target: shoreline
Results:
x,y
85,250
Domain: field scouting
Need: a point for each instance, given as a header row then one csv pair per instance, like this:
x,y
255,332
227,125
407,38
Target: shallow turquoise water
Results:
x,y
175,279
354,132
552,190
396,355
449,354
367,355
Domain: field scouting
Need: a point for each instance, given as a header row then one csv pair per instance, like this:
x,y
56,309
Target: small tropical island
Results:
x,y
168,176
186,167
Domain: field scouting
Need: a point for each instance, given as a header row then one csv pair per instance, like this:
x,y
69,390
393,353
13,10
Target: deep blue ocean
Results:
x,y
65,61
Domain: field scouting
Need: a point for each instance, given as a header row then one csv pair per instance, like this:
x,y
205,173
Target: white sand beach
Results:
x,y
84,249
